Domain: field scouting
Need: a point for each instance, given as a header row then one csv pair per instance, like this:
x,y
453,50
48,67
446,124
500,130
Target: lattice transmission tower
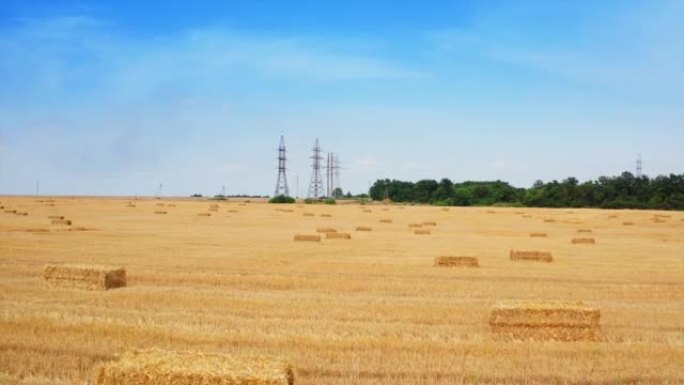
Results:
x,y
281,183
316,188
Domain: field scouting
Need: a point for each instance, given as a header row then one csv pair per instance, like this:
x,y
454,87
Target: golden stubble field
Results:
x,y
369,310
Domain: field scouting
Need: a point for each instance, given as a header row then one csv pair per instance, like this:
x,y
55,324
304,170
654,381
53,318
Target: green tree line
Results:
x,y
623,191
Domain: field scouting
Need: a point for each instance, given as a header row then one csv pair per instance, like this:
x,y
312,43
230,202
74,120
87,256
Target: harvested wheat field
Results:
x,y
372,309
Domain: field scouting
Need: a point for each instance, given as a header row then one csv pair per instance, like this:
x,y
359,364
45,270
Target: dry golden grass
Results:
x,y
373,310
449,261
579,241
538,235
334,235
158,367
307,238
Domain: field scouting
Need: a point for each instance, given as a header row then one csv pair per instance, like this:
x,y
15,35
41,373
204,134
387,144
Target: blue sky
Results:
x,y
113,98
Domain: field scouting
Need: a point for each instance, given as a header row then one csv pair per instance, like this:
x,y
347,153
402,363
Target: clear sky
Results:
x,y
115,97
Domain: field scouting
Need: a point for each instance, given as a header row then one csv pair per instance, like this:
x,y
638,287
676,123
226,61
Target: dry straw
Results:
x,y
445,209
326,215
160,204
130,205
530,255
325,230
171,205
10,211
549,220
308,214
385,221
307,238
160,212
415,225
429,223
233,211
23,213
364,228
628,223
204,214
367,211
157,367
66,222
88,277
576,241
537,235
584,231
337,236
447,261
422,232
545,320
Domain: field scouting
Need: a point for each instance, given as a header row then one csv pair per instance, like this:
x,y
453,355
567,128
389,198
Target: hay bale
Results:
x,y
22,213
233,211
415,225
170,205
55,216
662,216
10,211
130,205
204,214
308,214
545,320
160,204
576,241
549,220
628,223
422,232
385,221
658,220
530,255
326,216
186,368
325,230
337,236
88,277
160,212
448,261
307,238
364,228
367,211
584,231
429,223
64,222
537,235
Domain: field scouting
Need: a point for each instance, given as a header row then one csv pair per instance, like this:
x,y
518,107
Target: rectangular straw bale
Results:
x,y
326,215
66,222
530,255
628,223
24,213
158,367
537,235
584,231
233,211
130,205
160,212
415,225
325,230
429,223
658,220
663,216
308,214
160,204
448,261
385,221
80,276
364,228
544,320
337,236
307,238
583,241
422,232
204,214
10,211
550,220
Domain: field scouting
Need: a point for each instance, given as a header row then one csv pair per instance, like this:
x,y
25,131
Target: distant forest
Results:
x,y
618,192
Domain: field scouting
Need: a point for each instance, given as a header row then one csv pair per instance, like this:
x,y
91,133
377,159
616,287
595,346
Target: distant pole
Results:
x,y
281,183
316,187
